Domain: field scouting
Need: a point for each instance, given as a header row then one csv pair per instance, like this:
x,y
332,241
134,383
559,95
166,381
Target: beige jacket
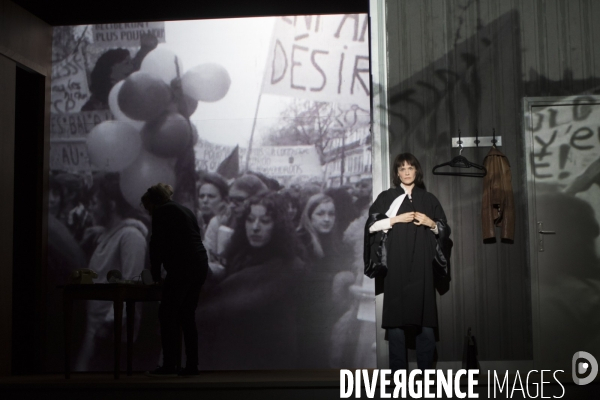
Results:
x,y
498,205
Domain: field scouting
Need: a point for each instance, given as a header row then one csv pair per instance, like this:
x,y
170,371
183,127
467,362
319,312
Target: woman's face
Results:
x,y
121,70
210,199
259,226
98,211
407,174
54,202
323,217
237,198
292,210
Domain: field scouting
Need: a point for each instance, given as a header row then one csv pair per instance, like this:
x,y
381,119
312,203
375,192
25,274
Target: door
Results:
x,y
563,167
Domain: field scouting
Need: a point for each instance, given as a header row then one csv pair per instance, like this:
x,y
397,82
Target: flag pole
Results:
x,y
252,132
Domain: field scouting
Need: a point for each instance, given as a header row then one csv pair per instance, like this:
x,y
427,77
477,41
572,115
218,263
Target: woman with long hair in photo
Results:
x,y
119,243
328,276
249,319
412,218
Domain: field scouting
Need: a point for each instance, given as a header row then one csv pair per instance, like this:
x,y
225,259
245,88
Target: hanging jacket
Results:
x,y
498,205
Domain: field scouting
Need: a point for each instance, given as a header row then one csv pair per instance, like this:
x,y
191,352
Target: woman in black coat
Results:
x,y
412,221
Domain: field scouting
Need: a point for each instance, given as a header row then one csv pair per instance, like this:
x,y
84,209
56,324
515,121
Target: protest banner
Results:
x,y
126,35
69,155
278,162
68,135
76,124
320,58
69,88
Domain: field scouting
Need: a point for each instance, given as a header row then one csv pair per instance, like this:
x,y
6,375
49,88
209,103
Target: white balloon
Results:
x,y
163,64
113,145
146,170
206,82
113,104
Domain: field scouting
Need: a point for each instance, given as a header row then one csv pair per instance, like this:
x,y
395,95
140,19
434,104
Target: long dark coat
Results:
x,y
409,284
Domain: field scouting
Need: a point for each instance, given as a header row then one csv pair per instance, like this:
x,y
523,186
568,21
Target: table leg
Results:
x,y
68,327
118,307
130,309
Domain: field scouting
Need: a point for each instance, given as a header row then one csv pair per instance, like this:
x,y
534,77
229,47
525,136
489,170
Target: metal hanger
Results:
x,y
461,162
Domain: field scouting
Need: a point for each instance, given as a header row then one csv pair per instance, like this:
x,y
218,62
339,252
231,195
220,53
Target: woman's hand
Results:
x,y
403,218
422,219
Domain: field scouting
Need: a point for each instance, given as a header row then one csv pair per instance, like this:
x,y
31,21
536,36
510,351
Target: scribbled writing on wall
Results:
x,y
566,140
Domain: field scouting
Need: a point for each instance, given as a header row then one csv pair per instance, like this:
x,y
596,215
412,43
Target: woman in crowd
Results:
x,y
212,198
113,66
221,226
413,219
327,278
120,243
249,318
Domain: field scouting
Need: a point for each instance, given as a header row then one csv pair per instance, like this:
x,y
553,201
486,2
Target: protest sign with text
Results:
x,y
320,58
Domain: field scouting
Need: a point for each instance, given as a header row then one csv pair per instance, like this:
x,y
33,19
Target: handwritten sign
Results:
x,y
279,162
566,141
285,161
68,135
79,124
126,35
69,87
69,155
321,58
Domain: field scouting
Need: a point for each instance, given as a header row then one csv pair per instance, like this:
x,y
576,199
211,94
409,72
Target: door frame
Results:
x,y
528,104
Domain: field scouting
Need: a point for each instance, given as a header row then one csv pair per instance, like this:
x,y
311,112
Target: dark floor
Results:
x,y
224,385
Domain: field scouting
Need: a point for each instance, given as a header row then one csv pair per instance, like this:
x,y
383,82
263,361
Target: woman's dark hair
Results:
x,y
106,188
100,81
290,200
250,184
409,159
283,242
217,181
345,211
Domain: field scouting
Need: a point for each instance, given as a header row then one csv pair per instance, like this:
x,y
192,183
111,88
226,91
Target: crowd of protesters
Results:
x,y
285,276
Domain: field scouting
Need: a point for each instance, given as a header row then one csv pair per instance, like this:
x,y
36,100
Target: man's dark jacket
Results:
x,y
176,242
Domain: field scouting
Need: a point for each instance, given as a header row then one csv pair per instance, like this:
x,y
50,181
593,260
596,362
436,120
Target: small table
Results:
x,y
117,293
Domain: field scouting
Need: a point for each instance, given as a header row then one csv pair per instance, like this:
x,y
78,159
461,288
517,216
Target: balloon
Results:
x,y
143,96
113,104
146,170
187,106
163,64
206,82
168,135
194,134
113,145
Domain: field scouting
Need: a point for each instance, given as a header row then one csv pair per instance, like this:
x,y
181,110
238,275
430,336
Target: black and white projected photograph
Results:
x,y
261,126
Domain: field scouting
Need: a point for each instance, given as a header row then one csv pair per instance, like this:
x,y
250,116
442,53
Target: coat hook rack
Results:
x,y
477,141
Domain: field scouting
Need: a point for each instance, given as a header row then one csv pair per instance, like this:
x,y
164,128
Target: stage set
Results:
x,y
277,126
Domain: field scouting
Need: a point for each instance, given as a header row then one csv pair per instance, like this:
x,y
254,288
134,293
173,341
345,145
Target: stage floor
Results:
x,y
225,385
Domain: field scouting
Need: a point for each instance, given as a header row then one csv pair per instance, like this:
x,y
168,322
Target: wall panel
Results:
x,y
24,40
469,70
7,145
